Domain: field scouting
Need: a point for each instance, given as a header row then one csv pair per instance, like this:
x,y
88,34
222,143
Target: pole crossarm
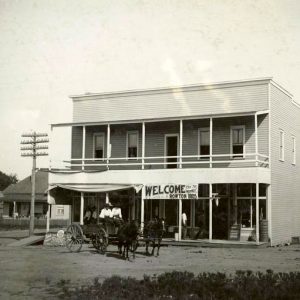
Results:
x,y
34,134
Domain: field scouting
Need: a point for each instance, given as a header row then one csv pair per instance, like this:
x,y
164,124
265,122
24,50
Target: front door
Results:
x,y
171,150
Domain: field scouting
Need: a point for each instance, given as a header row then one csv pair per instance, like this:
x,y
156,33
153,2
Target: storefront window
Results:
x,y
262,190
203,190
246,212
171,212
244,190
200,229
246,204
220,189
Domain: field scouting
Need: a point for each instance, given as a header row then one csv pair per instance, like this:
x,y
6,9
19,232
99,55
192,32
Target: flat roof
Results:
x,y
207,85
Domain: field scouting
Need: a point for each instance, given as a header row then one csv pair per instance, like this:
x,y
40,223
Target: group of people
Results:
x,y
109,213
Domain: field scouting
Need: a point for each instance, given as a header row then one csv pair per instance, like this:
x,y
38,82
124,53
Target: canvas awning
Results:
x,y
97,188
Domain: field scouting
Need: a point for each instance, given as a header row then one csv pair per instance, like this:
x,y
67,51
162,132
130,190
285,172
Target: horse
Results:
x,y
153,233
127,237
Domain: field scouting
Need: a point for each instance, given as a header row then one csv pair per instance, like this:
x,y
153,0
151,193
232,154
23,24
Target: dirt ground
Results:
x,y
35,272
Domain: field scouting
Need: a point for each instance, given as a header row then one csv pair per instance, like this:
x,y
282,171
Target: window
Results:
x,y
132,144
99,145
203,142
281,145
60,210
294,150
237,141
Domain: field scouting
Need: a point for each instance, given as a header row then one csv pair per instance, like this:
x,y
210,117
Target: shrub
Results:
x,y
185,285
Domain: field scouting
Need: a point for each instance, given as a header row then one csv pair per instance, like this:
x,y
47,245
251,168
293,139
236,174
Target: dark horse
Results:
x,y
127,238
153,233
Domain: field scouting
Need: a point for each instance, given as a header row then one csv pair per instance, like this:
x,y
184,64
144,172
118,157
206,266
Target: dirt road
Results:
x,y
35,272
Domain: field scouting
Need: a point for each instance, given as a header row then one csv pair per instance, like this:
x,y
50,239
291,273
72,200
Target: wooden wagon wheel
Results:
x,y
100,241
74,237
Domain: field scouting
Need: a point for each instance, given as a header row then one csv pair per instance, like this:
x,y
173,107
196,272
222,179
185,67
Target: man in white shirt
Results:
x,y
116,211
117,216
105,212
184,225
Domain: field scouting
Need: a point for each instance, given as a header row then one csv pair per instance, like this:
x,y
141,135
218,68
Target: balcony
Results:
x,y
239,141
170,162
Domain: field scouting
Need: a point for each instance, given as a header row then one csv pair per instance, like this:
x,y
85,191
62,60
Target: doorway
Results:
x,y
171,149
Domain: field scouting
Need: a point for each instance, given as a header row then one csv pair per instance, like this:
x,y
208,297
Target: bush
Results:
x,y
185,285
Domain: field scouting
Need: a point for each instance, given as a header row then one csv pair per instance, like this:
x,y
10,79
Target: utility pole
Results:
x,y
36,143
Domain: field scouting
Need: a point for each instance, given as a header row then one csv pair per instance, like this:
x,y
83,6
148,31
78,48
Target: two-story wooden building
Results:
x,y
223,153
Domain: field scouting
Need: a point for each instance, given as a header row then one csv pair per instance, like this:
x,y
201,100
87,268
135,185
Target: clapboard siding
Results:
x,y
76,150
263,134
285,177
171,103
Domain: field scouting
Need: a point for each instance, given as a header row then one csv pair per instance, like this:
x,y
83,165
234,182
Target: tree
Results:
x,y
6,180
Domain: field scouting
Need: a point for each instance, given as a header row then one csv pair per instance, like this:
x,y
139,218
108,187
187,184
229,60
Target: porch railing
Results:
x,y
184,161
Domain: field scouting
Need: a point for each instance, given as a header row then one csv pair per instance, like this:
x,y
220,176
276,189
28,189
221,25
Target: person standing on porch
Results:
x,y
184,225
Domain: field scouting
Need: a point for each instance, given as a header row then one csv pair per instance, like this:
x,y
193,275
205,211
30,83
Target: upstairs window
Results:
x,y
294,150
281,145
203,142
237,141
99,145
132,144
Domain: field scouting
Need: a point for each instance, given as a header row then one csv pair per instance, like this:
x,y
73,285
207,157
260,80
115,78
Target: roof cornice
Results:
x,y
174,89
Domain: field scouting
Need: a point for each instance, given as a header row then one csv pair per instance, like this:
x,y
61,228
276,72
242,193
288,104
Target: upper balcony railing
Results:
x,y
184,161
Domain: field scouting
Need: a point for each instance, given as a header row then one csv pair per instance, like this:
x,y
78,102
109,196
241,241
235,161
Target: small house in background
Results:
x,y
17,198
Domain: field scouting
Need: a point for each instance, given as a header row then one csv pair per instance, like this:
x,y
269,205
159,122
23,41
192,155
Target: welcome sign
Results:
x,y
171,191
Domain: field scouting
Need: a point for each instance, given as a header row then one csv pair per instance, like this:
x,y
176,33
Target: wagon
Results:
x,y
100,235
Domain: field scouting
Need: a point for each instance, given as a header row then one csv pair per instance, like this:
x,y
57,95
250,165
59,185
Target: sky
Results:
x,y
50,50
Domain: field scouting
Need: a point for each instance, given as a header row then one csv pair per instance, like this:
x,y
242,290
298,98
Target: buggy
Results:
x,y
100,235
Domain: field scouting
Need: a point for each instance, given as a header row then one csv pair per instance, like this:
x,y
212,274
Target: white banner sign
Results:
x,y
171,191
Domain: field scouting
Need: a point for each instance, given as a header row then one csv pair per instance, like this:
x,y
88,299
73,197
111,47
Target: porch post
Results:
x,y
228,212
257,213
180,143
14,210
256,140
235,204
106,197
142,208
83,147
48,218
48,212
180,220
210,141
133,207
108,150
269,214
210,212
143,145
81,207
